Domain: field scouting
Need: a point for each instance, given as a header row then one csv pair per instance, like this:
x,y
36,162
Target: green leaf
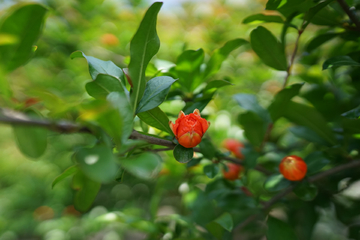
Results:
x,y
207,149
200,105
68,172
155,93
319,40
143,46
225,220
145,165
254,127
23,25
211,170
282,98
276,183
219,55
183,154
279,230
313,11
272,4
103,85
157,119
315,162
306,191
188,68
328,16
31,140
339,61
97,163
216,84
86,191
97,66
261,18
268,48
307,134
353,113
288,8
311,118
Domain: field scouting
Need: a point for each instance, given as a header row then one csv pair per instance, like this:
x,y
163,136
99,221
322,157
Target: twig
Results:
x,y
267,205
351,15
288,71
18,118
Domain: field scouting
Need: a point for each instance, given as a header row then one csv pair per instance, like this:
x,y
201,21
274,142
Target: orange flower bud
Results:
x,y
189,129
234,146
233,171
293,168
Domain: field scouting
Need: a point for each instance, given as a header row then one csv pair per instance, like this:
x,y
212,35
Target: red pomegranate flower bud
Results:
x,y
293,168
234,146
189,129
233,171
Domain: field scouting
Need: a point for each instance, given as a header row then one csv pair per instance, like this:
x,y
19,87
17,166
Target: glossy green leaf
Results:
x,y
279,230
272,4
188,68
211,170
145,165
155,93
226,221
97,163
23,25
306,191
219,55
339,61
268,48
86,191
143,46
97,66
67,173
319,40
216,84
315,162
309,117
307,134
250,103
313,11
31,140
207,148
261,18
103,85
183,154
282,98
276,183
254,126
157,119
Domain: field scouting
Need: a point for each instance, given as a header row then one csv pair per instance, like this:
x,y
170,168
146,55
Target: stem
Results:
x,y
18,118
351,15
288,72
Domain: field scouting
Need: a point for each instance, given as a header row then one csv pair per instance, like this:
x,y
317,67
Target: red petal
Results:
x,y
189,140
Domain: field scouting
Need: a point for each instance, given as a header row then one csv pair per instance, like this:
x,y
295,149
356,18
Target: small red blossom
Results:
x,y
293,168
233,171
189,129
234,146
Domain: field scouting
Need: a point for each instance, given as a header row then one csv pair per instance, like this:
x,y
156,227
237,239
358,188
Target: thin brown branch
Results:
x,y
17,118
288,71
351,15
267,205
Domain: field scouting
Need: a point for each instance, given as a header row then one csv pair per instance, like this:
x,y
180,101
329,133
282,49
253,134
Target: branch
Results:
x,y
351,15
267,205
288,71
18,118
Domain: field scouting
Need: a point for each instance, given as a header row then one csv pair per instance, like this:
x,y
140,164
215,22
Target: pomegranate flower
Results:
x,y
189,129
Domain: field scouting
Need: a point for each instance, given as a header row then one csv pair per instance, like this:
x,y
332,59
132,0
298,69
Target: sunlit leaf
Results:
x,y
155,93
143,46
24,25
260,18
276,183
157,119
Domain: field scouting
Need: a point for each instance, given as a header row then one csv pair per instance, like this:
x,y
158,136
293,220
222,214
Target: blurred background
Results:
x,y
29,207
